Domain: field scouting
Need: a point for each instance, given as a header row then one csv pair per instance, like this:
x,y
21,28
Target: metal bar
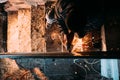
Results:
x,y
97,55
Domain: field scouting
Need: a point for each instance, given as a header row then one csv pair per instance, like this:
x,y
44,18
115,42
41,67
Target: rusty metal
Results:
x,y
97,55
